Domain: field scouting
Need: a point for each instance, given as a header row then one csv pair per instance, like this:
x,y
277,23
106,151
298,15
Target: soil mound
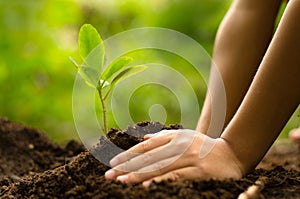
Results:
x,y
25,150
34,167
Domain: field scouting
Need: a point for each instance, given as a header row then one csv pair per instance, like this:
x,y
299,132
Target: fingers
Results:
x,y
157,140
186,155
149,163
142,161
154,170
163,132
161,153
133,162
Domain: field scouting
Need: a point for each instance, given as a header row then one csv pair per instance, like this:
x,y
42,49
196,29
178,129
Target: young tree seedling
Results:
x,y
92,53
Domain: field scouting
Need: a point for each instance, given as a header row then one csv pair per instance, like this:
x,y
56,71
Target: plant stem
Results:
x,y
103,109
106,95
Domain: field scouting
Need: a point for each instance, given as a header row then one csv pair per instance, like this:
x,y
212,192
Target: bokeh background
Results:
x,y
37,38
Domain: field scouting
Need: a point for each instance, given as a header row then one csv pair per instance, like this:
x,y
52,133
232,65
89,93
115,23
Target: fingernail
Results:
x,y
113,162
110,174
122,179
147,183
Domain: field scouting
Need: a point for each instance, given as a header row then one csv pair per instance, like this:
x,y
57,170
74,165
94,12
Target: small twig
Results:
x,y
254,191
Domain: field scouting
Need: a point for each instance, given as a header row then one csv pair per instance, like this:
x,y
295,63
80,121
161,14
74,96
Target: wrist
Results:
x,y
233,156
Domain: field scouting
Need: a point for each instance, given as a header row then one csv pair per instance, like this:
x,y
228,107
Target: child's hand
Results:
x,y
175,154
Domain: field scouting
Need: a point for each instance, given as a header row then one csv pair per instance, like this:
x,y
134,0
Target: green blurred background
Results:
x,y
37,37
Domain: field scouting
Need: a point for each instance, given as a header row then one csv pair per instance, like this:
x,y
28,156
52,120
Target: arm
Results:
x,y
273,95
241,42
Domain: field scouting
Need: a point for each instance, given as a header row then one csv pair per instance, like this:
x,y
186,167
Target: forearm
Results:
x,y
272,97
240,44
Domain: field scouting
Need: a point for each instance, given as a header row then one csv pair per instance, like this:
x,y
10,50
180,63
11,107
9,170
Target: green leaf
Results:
x,y
91,47
127,73
88,39
115,66
92,52
89,75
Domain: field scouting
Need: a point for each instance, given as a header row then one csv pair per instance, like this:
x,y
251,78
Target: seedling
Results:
x,y
92,53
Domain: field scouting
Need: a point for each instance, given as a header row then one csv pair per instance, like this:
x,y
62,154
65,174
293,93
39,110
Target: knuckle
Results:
x,y
123,168
145,146
147,158
170,134
174,175
134,177
184,144
159,167
193,153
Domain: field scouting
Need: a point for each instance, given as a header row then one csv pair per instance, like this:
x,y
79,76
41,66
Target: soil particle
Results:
x,y
34,167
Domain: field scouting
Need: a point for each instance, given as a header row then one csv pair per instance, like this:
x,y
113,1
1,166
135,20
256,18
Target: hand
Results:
x,y
175,154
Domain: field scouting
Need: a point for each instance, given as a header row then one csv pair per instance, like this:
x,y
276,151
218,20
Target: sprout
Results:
x,y
92,53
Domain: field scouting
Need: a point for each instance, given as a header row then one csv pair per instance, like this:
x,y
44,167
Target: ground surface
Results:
x,y
31,166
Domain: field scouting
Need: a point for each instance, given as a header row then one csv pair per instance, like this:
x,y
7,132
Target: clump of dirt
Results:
x,y
43,172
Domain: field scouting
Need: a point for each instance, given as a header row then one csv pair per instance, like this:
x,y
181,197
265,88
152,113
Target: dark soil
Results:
x,y
31,166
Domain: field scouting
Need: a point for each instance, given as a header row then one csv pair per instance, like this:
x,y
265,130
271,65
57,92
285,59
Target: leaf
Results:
x,y
115,66
89,75
91,47
92,52
88,39
127,73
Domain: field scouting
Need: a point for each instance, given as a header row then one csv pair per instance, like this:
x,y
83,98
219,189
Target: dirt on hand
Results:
x,y
32,166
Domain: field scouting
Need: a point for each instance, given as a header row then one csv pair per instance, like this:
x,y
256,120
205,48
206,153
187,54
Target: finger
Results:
x,y
147,136
144,162
182,173
128,155
147,145
177,147
156,169
179,143
183,158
